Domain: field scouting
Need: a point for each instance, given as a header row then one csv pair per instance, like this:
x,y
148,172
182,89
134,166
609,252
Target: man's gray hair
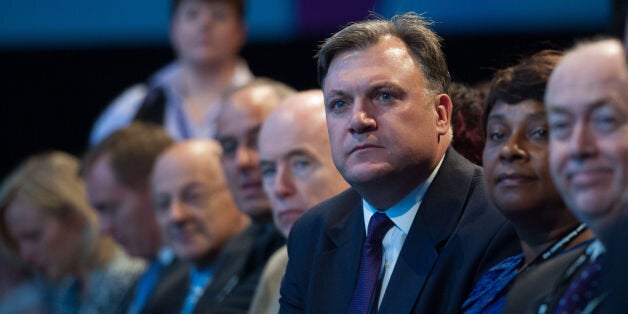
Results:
x,y
423,44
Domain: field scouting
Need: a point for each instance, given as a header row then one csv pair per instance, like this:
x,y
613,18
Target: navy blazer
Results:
x,y
454,238
237,270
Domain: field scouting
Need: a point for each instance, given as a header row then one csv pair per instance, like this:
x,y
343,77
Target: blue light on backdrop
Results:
x,y
62,23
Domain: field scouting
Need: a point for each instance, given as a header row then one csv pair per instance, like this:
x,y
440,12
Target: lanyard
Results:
x,y
558,246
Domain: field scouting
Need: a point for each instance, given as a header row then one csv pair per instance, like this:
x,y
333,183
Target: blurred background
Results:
x,y
63,61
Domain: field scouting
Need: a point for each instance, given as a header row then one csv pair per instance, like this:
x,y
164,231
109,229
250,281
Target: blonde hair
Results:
x,y
50,183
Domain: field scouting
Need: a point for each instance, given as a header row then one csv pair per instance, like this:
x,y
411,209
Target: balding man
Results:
x,y
298,172
198,216
587,105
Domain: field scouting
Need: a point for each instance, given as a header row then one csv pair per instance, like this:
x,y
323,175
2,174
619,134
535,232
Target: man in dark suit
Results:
x,y
199,218
388,119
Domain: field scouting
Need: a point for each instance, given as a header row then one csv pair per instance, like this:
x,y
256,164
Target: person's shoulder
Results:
x,y
458,174
118,113
276,265
534,285
329,211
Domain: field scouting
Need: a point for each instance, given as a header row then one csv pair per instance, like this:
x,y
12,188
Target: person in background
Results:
x,y
415,230
298,173
239,120
587,113
184,96
117,174
198,217
19,287
46,219
518,180
466,121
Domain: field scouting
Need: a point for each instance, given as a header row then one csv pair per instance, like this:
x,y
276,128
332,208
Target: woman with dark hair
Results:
x,y
518,179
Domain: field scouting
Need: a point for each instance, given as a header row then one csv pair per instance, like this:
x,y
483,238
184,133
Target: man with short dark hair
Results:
x,y
416,230
117,173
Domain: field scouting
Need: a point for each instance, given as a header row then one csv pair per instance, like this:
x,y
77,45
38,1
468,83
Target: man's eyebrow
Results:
x,y
589,106
335,92
264,162
298,152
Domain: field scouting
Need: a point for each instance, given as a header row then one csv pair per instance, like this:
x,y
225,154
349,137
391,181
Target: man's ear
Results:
x,y
444,108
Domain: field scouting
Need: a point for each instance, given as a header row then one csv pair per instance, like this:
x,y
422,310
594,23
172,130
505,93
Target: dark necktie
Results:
x,y
370,264
582,289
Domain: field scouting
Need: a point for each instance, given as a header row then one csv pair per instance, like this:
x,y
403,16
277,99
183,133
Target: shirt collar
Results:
x,y
165,256
404,211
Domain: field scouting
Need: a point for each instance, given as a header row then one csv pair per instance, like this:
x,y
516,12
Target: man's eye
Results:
x,y
300,164
161,203
338,105
558,128
190,13
385,96
605,123
268,171
229,146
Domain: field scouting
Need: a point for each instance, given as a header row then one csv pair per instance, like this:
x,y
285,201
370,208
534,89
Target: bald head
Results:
x,y
301,114
201,155
587,104
241,116
195,210
295,156
589,65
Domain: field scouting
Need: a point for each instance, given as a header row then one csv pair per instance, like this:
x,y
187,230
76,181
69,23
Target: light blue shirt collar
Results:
x,y
404,211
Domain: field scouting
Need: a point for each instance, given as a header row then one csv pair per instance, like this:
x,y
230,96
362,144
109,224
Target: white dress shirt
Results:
x,y
402,214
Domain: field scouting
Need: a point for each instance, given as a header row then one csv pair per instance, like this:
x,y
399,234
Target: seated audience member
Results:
x,y
587,109
298,173
415,230
19,288
46,219
239,120
466,121
184,96
117,174
198,217
518,180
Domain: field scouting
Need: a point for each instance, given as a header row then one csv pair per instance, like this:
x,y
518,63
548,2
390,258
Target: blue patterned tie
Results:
x,y
582,289
370,264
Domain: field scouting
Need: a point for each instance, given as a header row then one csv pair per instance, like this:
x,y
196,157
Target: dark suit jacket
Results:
x,y
238,269
168,295
236,273
532,287
455,237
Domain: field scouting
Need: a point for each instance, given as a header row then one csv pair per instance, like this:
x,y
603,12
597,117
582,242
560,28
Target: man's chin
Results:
x,y
255,208
366,175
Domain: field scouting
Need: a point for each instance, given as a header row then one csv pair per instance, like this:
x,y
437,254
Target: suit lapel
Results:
x,y
436,220
229,266
340,255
